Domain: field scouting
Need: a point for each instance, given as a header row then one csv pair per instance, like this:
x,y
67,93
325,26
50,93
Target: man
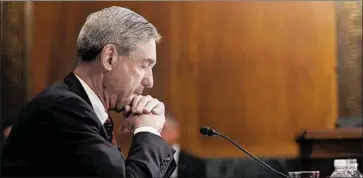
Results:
x,y
187,164
66,131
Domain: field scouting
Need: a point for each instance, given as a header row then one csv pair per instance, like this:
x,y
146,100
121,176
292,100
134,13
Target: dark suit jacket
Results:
x,y
191,166
58,134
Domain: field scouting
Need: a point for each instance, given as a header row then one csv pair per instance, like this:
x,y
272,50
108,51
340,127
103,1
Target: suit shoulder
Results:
x,y
58,93
57,99
57,103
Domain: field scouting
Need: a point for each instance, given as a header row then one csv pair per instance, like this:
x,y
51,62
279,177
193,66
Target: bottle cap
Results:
x,y
351,161
340,163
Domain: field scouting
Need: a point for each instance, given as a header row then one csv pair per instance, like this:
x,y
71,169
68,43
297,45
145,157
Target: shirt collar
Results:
x,y
95,101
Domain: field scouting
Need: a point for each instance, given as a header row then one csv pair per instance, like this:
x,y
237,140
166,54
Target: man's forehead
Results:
x,y
147,51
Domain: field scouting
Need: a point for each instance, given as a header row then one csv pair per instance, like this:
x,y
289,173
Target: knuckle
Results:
x,y
156,101
147,108
162,106
144,99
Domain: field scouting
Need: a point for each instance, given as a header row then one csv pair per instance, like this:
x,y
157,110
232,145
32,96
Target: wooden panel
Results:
x,y
13,52
349,33
260,72
336,134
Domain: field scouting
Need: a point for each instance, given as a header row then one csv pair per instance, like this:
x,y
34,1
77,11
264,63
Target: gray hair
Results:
x,y
113,25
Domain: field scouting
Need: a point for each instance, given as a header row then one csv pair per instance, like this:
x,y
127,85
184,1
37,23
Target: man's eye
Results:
x,y
144,66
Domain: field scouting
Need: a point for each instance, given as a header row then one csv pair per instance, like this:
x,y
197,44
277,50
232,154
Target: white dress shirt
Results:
x,y
101,112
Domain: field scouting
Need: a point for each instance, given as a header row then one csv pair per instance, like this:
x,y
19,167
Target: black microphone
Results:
x,y
211,132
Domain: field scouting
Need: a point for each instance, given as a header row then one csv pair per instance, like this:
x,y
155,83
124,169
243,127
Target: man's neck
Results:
x,y
90,78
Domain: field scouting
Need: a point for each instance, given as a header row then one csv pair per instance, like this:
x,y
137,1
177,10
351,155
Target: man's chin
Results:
x,y
120,106
117,109
122,110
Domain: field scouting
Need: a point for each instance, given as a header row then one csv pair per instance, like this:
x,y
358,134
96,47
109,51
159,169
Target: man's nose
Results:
x,y
148,82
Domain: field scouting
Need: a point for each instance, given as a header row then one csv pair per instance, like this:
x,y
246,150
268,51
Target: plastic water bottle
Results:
x,y
340,166
352,168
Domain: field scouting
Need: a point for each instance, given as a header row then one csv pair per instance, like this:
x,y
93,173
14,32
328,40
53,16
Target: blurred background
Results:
x,y
283,79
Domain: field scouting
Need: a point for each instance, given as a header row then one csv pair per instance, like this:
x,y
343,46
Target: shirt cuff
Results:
x,y
146,129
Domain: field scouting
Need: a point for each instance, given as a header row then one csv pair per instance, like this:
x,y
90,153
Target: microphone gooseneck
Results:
x,y
211,132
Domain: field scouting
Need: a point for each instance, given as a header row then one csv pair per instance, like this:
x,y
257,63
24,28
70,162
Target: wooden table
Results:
x,y
343,142
318,148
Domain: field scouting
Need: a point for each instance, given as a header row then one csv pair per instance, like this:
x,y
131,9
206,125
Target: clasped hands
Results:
x,y
144,111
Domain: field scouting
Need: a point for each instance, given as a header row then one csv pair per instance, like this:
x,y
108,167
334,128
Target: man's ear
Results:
x,y
108,56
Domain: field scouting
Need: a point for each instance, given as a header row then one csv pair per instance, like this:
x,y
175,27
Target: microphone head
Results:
x,y
203,130
207,131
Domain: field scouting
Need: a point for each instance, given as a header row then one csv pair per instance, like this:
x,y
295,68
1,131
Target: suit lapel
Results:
x,y
76,87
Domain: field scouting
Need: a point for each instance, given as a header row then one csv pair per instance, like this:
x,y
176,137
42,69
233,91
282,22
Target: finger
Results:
x,y
127,111
151,105
156,110
127,108
135,102
142,103
159,109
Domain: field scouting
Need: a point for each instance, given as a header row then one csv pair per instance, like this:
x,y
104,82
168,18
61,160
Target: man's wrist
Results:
x,y
146,129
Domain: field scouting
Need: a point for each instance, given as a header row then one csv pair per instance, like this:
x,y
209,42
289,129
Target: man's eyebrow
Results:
x,y
151,61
